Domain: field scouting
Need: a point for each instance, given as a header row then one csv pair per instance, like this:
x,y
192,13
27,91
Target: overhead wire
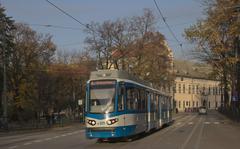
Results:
x,y
55,26
69,15
167,25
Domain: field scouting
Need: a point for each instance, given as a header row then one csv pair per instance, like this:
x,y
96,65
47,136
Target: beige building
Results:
x,y
193,88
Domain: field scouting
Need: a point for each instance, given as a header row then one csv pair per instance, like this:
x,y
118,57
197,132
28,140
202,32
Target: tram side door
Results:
x,y
121,102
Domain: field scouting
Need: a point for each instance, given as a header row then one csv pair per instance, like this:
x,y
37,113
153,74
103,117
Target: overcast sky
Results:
x,y
178,13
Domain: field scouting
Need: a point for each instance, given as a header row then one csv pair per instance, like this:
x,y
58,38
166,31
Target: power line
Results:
x,y
164,20
76,28
69,15
55,26
55,71
169,28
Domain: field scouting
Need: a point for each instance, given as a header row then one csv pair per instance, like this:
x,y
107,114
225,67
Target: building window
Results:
x,y
193,89
209,104
193,103
197,91
183,88
189,89
183,104
186,103
213,90
179,88
181,78
197,103
174,88
209,90
216,104
179,104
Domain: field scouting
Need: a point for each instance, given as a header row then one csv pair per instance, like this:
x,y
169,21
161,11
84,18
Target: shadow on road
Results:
x,y
135,137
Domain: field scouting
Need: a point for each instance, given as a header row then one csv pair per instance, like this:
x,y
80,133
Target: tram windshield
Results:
x,y
102,95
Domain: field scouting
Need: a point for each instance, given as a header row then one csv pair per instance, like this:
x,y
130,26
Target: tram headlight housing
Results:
x,y
112,121
91,122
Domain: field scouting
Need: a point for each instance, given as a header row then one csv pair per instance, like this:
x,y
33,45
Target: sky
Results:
x,y
179,14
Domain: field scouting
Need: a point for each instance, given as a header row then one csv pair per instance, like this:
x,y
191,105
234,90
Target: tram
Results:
x,y
119,105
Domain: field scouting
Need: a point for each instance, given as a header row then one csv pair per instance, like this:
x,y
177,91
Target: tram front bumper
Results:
x,y
110,132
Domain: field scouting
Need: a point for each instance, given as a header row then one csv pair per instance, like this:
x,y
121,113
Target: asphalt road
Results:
x,y
189,131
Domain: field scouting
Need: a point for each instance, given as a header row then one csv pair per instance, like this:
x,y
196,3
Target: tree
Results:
x,y
6,44
29,59
152,60
214,38
132,44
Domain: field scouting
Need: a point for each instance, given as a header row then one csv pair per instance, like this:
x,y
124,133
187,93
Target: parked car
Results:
x,y
202,110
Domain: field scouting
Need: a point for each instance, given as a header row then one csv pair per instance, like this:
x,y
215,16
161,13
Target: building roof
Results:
x,y
191,69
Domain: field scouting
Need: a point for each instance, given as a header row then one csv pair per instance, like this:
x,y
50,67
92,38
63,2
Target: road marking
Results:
x,y
63,135
183,146
176,127
178,123
28,143
47,139
12,147
56,137
190,123
216,123
207,123
75,132
197,144
69,133
37,141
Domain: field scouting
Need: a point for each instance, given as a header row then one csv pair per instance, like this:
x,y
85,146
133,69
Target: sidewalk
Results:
x,y
71,126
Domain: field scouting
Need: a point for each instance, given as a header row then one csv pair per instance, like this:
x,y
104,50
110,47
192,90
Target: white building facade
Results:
x,y
191,93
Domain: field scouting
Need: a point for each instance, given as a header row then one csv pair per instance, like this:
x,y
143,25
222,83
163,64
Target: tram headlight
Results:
x,y
91,122
112,121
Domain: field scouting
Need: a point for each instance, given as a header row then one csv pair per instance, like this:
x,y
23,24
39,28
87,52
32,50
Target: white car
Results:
x,y
202,110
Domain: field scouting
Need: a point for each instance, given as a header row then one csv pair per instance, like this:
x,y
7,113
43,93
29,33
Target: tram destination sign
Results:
x,y
103,82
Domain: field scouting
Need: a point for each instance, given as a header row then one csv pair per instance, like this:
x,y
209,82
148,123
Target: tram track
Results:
x,y
162,133
190,135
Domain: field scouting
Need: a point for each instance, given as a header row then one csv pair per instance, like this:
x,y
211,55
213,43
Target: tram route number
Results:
x,y
101,123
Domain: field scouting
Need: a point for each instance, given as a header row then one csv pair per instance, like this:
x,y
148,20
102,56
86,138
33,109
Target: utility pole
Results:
x,y
236,81
4,93
237,48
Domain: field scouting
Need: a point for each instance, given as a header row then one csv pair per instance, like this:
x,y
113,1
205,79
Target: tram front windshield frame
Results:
x,y
102,96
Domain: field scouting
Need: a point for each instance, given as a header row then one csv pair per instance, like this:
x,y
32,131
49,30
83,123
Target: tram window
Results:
x,y
121,98
152,102
138,100
157,101
142,99
132,98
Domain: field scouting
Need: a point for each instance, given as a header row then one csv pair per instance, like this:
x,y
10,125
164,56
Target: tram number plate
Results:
x,y
101,123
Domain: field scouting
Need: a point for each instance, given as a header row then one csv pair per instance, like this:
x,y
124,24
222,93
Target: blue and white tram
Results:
x,y
119,105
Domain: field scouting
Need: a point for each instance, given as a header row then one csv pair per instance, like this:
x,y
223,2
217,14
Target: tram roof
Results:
x,y
117,74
